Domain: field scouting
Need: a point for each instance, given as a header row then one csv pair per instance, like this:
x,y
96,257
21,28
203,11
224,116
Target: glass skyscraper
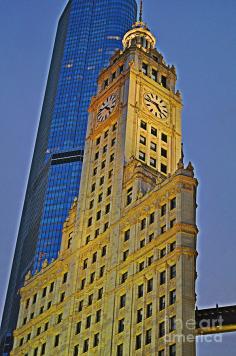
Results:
x,y
88,33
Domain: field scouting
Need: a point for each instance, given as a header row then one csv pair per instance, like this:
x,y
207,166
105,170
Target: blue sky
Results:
x,y
199,37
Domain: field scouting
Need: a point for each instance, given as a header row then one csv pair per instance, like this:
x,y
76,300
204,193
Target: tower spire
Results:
x,y
141,11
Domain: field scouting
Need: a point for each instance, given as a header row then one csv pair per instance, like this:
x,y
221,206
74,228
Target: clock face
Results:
x,y
156,105
107,108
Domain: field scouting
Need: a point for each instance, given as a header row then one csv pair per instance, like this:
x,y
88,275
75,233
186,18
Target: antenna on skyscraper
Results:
x,y
141,11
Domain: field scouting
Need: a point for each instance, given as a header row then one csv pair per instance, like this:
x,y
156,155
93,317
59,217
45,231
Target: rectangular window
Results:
x,y
150,260
153,162
163,229
104,150
86,345
36,351
172,297
82,284
143,125
163,81
122,301
101,180
90,299
113,75
150,237
142,243
98,140
172,223
119,350
112,157
129,195
90,221
162,329
163,210
143,224
151,218
44,292
94,258
138,344
164,153
100,198
150,285
78,328
126,235
172,246
100,293
173,204
88,322
145,68
113,142
164,137
59,318
121,69
139,315
163,252
109,191
140,291
172,323
148,336
80,305
124,276
102,270
172,271
85,263
56,340
141,266
98,215
92,277
106,225
142,155
154,75
91,204
161,353
153,146
104,251
96,340
172,349
76,350
98,316
162,277
163,168
96,155
43,349
153,131
142,140
103,165
162,302
95,171
121,325
125,255
149,310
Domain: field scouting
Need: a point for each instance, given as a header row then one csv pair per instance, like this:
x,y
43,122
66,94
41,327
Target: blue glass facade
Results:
x,y
88,33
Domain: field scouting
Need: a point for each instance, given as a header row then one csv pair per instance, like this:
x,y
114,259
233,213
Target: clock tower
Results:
x,y
124,281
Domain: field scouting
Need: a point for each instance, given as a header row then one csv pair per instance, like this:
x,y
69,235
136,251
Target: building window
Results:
x,y
164,153
139,315
93,187
98,215
64,280
88,322
103,164
119,350
172,246
149,310
90,221
163,168
112,156
110,173
145,68
105,83
109,191
106,225
94,258
129,195
46,326
41,310
56,340
162,329
121,69
95,171
172,271
164,137
114,127
153,162
36,351
113,142
122,301
163,210
151,218
90,299
124,276
96,155
153,131
100,197
76,350
96,340
140,291
104,150
150,285
142,243
125,255
101,180
86,345
143,224
107,209
163,252
161,353
172,223
162,277
150,237
150,260
85,263
142,140
59,318
78,328
102,270
162,302
21,341
138,344
80,305
148,336
106,134
91,204
172,323
113,75
163,81
83,283
127,235
43,349
104,251
154,75
44,292
173,204
153,146
87,239
172,297
163,229
172,350
28,336
98,316
98,140
143,125
141,266
100,293
121,325
142,155
92,277
69,242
